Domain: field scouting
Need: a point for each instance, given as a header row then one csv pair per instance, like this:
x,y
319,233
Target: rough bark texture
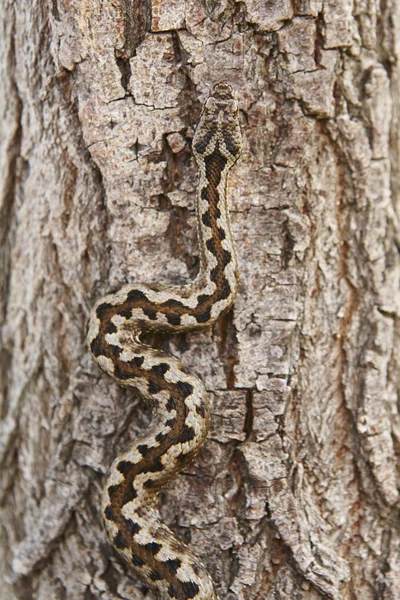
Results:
x,y
296,493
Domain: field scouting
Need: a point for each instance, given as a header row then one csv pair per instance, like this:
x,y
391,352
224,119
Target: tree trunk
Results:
x,y
295,493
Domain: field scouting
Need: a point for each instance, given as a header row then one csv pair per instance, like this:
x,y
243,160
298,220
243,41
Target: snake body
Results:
x,y
180,400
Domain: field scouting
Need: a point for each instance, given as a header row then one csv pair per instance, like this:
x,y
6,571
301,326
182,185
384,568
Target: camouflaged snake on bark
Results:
x,y
181,405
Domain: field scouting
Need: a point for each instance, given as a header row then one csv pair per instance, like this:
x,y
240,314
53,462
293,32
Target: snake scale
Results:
x,y
180,401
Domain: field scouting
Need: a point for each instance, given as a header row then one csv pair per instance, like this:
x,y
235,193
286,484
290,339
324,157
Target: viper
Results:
x,y
178,397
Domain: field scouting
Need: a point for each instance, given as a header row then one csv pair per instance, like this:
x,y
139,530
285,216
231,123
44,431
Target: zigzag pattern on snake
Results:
x,y
181,406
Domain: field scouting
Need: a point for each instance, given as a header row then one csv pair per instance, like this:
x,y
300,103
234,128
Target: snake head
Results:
x,y
218,129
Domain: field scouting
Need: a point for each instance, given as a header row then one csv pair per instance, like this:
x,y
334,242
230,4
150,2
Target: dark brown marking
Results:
x,y
119,541
202,299
102,309
186,434
191,589
122,370
214,274
137,561
115,350
155,466
171,404
153,547
204,316
112,490
143,449
172,591
137,361
111,328
125,312
153,387
109,513
129,495
149,484
173,319
226,257
200,410
186,389
160,369
206,219
211,245
136,296
230,144
204,141
221,234
152,314
132,527
96,346
173,564
225,290
124,466
172,304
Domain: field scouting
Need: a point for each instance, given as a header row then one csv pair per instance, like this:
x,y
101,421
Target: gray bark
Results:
x,y
296,492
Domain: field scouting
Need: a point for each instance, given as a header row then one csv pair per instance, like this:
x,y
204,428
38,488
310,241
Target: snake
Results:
x,y
179,400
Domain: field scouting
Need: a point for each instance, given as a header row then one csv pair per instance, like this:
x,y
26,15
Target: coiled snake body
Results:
x,y
181,421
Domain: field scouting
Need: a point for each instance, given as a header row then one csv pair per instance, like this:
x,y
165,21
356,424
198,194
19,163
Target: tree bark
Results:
x,y
296,492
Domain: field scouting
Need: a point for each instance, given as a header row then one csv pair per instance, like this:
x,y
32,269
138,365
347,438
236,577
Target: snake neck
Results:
x,y
141,307
216,285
